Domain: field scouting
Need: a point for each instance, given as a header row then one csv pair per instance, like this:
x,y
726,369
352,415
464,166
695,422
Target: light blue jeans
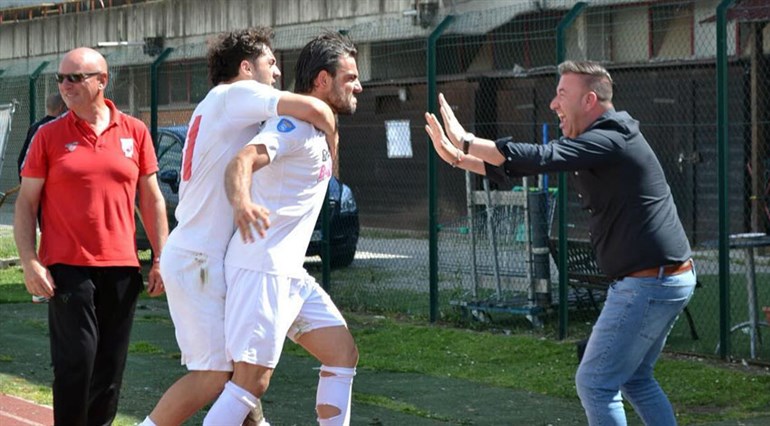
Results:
x,y
625,344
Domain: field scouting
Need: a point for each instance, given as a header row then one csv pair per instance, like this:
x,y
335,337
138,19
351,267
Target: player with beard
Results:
x,y
242,69
276,185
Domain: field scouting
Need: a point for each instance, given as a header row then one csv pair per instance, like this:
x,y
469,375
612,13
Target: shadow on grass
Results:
x,y
381,398
409,374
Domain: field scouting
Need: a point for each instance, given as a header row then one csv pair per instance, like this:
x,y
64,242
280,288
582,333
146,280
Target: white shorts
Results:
x,y
263,309
195,290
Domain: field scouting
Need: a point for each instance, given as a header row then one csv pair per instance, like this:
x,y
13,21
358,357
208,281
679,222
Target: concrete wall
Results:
x,y
181,20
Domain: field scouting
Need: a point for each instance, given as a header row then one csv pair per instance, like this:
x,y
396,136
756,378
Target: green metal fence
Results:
x,y
436,243
663,58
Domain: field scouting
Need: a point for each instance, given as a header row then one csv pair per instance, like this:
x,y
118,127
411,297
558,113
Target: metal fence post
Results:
x,y
33,90
568,19
154,94
432,193
723,184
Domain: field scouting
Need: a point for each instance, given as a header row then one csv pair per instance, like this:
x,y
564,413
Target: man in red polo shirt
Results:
x,y
86,169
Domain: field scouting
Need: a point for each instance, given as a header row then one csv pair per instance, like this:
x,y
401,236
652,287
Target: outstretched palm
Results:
x,y
444,148
454,129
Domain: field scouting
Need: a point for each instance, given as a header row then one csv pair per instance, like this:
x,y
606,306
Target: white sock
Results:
x,y
232,406
256,417
336,391
147,422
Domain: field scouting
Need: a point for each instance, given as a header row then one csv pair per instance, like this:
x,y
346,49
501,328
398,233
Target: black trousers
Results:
x,y
89,319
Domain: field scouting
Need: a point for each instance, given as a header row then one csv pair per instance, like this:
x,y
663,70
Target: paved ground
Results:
x,y
471,403
19,412
482,406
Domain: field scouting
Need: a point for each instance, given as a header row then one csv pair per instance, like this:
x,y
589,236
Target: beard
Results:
x,y
342,105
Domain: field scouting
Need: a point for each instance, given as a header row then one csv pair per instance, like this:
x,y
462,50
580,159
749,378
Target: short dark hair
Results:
x,y
598,79
229,49
54,104
321,54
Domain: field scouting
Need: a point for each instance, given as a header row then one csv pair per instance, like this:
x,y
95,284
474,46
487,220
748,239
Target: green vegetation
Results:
x,y
12,289
144,348
404,361
7,246
702,390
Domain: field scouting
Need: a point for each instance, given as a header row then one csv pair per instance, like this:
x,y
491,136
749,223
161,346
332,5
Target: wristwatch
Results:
x,y
467,141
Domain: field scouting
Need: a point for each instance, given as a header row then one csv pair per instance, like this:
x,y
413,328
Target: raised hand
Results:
x,y
448,152
454,129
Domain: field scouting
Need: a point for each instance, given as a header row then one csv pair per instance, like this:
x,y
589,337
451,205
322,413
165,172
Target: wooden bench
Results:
x,y
584,273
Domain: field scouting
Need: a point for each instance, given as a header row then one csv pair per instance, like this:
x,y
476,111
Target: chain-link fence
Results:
x,y
497,67
382,158
663,59
14,95
748,218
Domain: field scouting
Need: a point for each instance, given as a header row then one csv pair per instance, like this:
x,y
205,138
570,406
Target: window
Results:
x,y
182,83
671,31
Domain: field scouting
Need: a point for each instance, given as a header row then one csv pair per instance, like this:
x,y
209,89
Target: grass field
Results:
x,y
410,373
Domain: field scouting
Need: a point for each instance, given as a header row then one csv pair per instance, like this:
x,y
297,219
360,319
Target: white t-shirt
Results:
x,y
292,187
229,116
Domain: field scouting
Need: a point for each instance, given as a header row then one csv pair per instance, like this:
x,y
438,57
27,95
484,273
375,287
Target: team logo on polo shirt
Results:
x,y
128,146
71,146
285,126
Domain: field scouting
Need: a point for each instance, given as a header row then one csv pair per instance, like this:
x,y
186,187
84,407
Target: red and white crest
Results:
x,y
128,146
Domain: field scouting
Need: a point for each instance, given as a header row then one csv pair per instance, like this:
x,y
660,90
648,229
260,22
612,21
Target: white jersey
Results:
x,y
222,124
292,187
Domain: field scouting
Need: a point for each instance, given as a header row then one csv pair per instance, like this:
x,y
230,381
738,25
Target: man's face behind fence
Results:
x,y
345,86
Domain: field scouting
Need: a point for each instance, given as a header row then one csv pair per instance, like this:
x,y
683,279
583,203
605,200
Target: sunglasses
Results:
x,y
74,78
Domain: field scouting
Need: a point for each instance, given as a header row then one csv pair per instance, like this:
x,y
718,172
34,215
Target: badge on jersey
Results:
x,y
128,146
71,146
285,126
